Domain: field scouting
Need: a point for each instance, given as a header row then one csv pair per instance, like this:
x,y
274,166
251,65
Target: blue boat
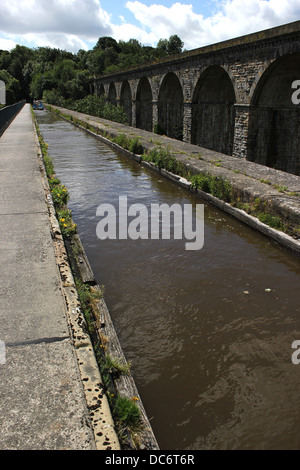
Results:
x,y
38,105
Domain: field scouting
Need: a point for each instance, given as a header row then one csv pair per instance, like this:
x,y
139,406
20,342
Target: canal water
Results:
x,y
209,332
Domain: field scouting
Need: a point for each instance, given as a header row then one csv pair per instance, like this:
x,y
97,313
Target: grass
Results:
x,y
115,367
127,412
214,185
133,145
127,416
163,159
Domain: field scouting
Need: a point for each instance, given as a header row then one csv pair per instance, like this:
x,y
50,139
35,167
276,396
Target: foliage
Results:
x,y
97,106
162,158
133,145
59,75
115,367
60,195
214,185
66,224
172,46
127,412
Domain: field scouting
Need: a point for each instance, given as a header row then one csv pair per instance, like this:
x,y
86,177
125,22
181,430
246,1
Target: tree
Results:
x,y
106,42
173,45
162,46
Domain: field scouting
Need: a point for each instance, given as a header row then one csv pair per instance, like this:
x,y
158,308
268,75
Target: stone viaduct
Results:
x,y
234,97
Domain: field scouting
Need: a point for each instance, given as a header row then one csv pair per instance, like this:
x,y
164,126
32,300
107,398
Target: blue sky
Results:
x,y
77,24
119,7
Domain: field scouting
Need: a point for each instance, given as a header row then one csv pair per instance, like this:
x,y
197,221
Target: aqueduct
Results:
x,y
234,97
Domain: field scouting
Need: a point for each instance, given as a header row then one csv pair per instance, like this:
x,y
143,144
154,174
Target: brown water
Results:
x,y
212,363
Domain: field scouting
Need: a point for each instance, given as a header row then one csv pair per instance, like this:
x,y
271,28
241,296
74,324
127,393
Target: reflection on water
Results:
x,y
211,348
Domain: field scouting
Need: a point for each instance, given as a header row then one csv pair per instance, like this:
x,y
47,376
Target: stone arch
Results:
x,y
112,94
170,107
213,111
144,112
274,122
126,101
101,90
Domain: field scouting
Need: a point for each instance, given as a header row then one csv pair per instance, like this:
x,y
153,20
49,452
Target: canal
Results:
x,y
209,332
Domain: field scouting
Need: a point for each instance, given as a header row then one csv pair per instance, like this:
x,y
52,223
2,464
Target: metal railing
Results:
x,y
8,113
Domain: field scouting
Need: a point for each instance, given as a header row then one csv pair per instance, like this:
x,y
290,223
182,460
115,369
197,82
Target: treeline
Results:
x,y
60,76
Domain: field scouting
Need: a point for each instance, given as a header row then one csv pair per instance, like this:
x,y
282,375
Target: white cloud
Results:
x,y
67,24
77,24
7,44
85,18
233,18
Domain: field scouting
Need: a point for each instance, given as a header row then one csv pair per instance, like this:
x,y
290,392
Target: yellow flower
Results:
x,y
62,220
65,225
135,398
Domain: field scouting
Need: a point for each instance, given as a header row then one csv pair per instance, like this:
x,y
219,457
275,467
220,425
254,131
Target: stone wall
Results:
x,y
233,97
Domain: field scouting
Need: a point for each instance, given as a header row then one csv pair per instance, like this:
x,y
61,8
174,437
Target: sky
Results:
x,y
77,24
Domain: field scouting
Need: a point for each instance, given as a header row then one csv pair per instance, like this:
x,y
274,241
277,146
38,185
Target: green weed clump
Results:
x,y
66,224
60,195
271,220
163,159
133,145
127,413
213,185
115,367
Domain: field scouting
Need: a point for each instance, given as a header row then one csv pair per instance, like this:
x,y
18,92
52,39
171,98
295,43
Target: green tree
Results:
x,y
175,45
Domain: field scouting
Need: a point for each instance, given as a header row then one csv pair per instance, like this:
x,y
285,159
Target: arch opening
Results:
x,y
144,112
101,90
126,101
170,107
274,122
213,115
112,94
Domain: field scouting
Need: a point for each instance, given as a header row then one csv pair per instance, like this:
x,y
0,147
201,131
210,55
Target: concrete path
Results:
x,y
42,399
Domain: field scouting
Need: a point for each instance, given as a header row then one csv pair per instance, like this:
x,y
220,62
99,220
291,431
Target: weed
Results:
x,y
127,413
60,195
115,367
271,220
214,185
66,224
265,181
281,188
133,145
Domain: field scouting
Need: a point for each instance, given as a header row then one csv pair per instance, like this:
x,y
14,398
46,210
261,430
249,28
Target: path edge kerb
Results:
x,y
83,350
